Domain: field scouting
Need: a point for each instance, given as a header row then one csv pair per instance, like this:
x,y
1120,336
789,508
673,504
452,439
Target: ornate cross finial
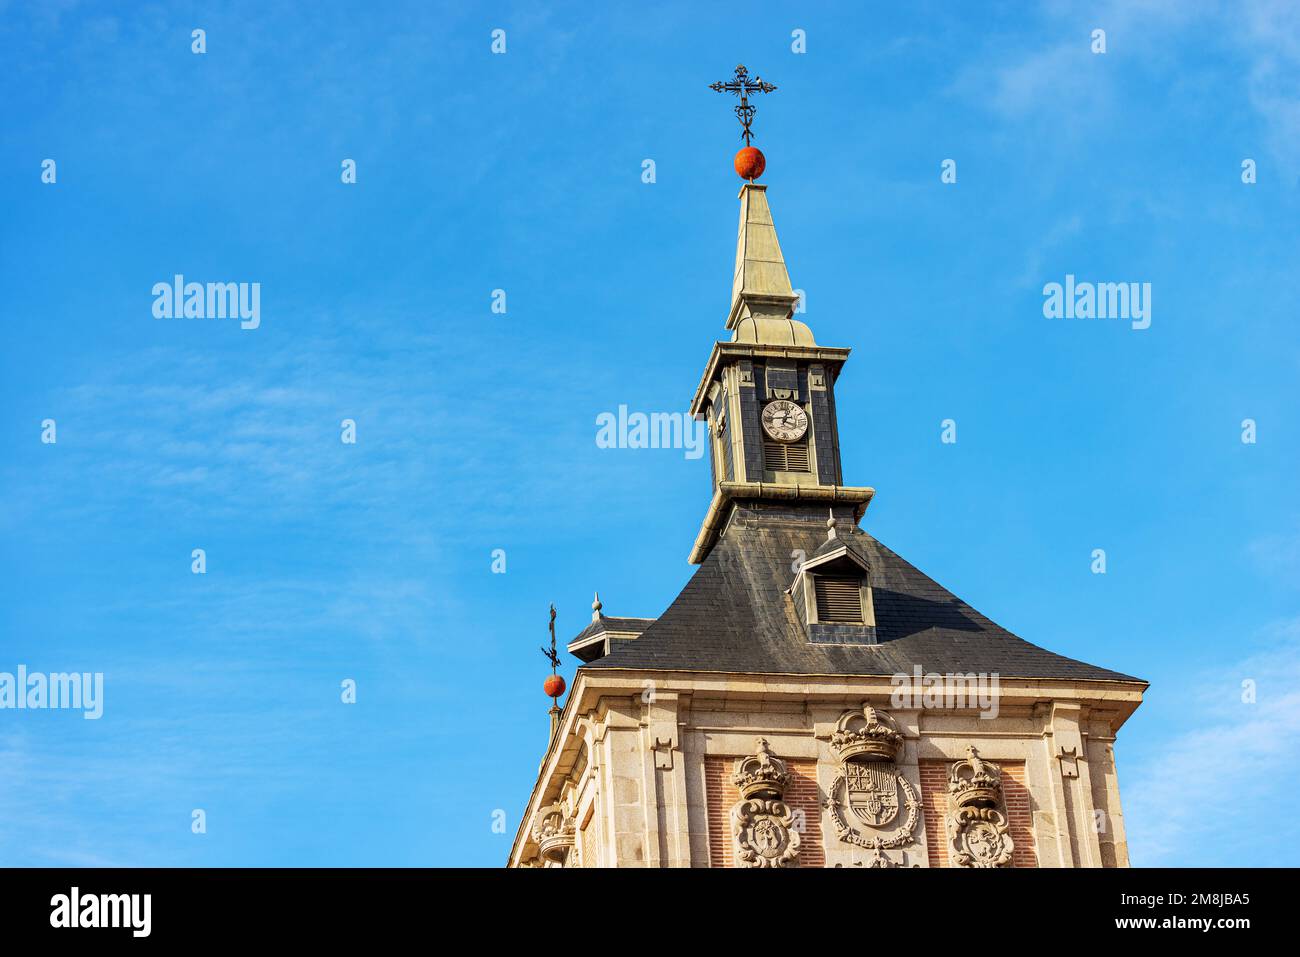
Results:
x,y
742,86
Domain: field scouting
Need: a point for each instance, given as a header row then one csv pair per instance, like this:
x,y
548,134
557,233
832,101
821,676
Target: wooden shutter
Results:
x,y
838,599
779,457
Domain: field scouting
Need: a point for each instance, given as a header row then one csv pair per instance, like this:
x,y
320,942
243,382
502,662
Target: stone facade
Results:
x,y
642,770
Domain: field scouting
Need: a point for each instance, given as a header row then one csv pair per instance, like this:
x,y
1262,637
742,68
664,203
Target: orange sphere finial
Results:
x,y
750,163
553,686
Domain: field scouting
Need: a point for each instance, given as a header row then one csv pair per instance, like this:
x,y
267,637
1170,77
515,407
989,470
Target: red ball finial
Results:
x,y
553,686
750,163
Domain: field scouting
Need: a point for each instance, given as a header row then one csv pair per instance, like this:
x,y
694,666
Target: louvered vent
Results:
x,y
779,457
838,599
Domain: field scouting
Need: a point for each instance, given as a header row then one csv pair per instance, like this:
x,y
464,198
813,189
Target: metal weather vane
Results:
x,y
552,655
744,87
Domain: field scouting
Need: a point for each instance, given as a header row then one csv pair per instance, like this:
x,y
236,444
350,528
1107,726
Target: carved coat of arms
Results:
x,y
763,826
765,833
977,821
867,794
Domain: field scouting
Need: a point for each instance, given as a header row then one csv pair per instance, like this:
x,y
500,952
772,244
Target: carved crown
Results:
x,y
553,833
867,735
761,775
975,782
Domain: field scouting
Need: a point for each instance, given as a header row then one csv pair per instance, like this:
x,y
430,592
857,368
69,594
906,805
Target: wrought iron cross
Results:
x,y
743,87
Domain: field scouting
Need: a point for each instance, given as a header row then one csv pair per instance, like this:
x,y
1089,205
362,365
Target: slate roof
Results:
x,y
851,543
605,624
734,616
591,641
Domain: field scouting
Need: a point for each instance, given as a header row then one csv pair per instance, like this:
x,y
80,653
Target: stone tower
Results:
x,y
810,699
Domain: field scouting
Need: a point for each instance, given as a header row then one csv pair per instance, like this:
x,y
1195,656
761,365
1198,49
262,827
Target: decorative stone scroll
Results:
x,y
977,818
762,824
868,793
554,834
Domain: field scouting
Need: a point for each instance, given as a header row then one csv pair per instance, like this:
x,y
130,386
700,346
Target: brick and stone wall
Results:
x,y
1020,820
657,789
802,795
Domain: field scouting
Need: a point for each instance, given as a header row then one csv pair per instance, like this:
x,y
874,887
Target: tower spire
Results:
x,y
762,300
768,394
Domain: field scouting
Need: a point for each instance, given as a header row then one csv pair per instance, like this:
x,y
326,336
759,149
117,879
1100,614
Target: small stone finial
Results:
x,y
596,606
830,526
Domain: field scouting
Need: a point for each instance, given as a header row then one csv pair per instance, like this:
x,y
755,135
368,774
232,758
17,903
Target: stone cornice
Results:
x,y
752,350
716,517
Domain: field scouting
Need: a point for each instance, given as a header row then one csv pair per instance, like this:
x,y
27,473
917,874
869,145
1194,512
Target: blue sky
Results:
x,y
475,430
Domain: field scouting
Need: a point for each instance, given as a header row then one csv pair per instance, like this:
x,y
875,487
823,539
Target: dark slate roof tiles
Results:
x,y
733,616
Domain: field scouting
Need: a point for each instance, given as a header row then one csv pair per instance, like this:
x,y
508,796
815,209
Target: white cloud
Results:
x,y
1278,555
1231,765
1063,83
1060,232
1269,32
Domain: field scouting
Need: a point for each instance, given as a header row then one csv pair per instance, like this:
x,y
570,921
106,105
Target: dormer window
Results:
x,y
832,593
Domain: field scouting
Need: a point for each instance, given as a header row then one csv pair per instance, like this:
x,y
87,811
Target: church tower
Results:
x,y
768,395
810,699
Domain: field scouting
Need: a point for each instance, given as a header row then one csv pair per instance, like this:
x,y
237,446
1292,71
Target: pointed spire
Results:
x,y
762,300
760,266
596,606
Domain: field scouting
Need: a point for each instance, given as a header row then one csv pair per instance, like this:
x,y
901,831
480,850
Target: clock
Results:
x,y
784,420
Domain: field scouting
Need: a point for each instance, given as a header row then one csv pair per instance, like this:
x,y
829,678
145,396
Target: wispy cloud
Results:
x,y
1229,766
1270,33
1058,233
1278,554
1061,82
192,434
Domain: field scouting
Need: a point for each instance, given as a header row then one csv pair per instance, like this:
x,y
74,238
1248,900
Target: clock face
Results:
x,y
784,420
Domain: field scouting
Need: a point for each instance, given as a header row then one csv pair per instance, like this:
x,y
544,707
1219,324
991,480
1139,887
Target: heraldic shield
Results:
x,y
765,833
762,824
868,792
872,792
